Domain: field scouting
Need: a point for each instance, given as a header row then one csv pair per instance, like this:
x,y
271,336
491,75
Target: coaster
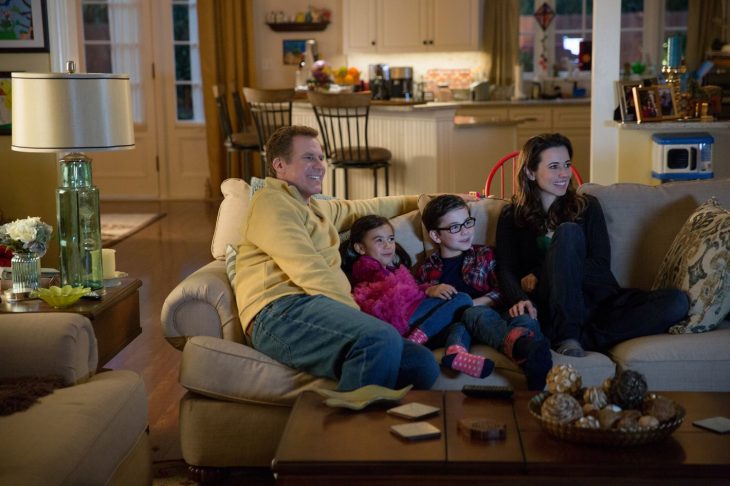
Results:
x,y
416,431
483,428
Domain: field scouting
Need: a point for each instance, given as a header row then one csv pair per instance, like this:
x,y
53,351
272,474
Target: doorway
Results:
x,y
156,43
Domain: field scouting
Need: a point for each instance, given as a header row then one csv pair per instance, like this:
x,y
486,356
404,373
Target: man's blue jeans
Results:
x,y
329,339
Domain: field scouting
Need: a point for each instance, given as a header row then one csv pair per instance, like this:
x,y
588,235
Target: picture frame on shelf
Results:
x,y
668,103
6,121
23,26
624,90
646,100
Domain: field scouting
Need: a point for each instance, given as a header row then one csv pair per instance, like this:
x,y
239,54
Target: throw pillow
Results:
x,y
231,254
698,262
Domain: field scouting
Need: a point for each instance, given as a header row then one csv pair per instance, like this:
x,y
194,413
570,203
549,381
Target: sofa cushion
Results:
x,y
691,362
698,262
407,229
231,216
643,220
486,211
76,435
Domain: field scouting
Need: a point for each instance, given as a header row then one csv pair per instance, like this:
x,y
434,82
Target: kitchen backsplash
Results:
x,y
453,78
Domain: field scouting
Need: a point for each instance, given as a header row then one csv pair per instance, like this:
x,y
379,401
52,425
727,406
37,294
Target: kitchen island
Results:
x,y
450,146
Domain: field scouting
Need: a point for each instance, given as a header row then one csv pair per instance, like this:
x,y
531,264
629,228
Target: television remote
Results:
x,y
487,391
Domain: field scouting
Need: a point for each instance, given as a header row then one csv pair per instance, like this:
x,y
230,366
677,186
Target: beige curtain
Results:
x,y
501,39
225,28
705,24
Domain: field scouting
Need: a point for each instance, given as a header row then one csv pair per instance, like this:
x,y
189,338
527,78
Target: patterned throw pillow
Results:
x,y
231,254
698,262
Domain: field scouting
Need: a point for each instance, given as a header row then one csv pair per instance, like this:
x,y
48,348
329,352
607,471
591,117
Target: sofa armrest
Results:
x,y
47,343
203,304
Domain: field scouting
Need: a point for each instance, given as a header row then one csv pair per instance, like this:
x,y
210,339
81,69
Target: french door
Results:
x,y
156,43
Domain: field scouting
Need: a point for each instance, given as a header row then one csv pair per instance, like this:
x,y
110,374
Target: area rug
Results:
x,y
175,473
117,226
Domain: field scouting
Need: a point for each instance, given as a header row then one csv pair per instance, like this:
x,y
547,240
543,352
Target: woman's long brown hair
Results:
x,y
527,202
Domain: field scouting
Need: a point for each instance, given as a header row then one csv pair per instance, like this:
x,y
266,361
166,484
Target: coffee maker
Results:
x,y
379,79
401,83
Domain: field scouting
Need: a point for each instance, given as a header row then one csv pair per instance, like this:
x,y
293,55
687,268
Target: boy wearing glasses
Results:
x,y
471,269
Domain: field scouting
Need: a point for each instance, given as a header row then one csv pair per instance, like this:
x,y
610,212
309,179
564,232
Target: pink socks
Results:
x,y
457,358
417,336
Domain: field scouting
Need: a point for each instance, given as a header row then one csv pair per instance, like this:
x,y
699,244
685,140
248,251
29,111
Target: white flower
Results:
x,y
29,234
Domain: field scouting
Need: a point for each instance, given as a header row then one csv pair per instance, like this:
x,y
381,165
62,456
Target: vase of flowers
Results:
x,y
28,239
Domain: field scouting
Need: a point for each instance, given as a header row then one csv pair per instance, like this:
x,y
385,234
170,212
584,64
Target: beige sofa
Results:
x,y
239,399
92,432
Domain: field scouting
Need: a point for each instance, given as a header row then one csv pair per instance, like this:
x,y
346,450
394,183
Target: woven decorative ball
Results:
x,y
648,422
660,407
628,389
562,408
589,422
595,396
563,378
606,385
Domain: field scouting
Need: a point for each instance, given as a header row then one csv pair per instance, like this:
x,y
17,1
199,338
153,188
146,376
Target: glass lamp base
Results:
x,y
79,227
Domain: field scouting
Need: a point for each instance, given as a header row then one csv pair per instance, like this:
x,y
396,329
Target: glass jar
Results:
x,y
26,270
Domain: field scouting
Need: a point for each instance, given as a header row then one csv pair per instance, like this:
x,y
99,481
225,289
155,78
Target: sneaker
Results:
x,y
538,360
570,347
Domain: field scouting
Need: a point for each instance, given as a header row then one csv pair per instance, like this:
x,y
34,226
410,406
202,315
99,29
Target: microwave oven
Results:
x,y
682,156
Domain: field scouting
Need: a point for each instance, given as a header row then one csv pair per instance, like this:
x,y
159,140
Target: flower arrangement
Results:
x,y
26,235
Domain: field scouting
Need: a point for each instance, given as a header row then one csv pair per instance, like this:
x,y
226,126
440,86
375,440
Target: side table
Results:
x,y
115,317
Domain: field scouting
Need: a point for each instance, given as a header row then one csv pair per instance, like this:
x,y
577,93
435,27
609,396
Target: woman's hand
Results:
x,y
522,307
484,300
441,291
528,283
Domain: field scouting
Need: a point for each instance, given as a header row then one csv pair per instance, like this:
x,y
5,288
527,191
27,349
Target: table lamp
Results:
x,y
74,113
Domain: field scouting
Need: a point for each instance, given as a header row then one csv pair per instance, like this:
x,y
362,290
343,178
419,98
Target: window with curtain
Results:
x,y
645,25
111,43
188,85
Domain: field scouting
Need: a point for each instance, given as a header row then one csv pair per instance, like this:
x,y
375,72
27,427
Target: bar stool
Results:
x,y
244,142
270,109
343,123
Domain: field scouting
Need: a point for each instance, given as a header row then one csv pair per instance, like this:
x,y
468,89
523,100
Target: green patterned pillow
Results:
x,y
698,262
231,254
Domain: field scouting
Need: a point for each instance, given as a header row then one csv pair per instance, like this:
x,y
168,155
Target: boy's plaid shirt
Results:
x,y
478,271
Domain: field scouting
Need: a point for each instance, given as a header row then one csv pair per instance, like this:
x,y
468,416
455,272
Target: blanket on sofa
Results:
x,y
18,394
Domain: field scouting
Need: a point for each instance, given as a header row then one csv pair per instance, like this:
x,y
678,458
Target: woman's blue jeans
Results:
x,y
329,339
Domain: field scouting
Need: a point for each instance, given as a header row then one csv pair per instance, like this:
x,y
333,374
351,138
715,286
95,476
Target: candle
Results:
x,y
108,263
674,51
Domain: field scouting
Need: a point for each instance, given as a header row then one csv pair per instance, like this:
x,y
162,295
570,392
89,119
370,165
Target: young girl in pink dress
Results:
x,y
384,287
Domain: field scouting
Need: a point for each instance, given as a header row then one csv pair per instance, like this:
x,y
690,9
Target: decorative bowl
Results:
x,y
61,296
603,437
362,397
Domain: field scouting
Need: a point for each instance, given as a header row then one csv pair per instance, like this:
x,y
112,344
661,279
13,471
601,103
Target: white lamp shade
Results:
x,y
55,112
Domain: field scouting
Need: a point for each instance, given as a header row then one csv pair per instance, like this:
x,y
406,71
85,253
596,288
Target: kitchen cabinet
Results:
x,y
572,120
396,26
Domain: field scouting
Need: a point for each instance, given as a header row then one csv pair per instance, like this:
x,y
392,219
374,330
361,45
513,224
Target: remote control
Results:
x,y
487,391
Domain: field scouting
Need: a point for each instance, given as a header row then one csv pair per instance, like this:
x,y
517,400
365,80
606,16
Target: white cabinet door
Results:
x,y
454,26
360,32
403,25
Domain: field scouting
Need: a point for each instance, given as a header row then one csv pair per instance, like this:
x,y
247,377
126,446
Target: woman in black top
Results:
x,y
555,260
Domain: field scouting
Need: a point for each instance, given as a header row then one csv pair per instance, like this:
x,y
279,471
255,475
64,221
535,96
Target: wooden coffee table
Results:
x,y
331,445
115,317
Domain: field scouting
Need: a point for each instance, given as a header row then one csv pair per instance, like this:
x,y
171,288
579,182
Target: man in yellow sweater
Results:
x,y
293,298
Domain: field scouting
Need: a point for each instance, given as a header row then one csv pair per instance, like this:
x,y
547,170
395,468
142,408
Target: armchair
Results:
x,y
92,431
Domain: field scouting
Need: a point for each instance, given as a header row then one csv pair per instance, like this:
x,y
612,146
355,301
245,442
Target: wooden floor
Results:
x,y
161,255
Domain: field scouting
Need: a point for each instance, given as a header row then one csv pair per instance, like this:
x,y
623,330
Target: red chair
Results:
x,y
499,167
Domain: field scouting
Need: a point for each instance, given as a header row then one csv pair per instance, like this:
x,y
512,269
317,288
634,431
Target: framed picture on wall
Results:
x,y
626,99
23,26
668,104
5,103
293,51
647,104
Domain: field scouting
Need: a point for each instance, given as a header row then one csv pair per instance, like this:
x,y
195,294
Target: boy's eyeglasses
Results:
x,y
456,227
